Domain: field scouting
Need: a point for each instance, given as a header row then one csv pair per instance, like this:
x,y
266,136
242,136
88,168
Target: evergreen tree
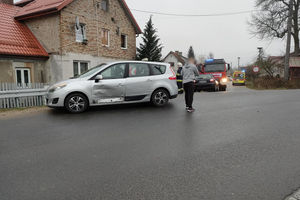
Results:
x,y
191,53
151,47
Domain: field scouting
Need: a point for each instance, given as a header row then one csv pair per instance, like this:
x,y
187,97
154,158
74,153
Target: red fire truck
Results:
x,y
218,68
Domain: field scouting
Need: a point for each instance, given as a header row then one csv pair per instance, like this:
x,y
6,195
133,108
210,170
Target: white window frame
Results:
x,y
23,69
126,41
108,37
79,69
80,34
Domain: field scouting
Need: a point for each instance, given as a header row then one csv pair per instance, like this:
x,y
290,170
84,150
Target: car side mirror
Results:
x,y
98,78
229,67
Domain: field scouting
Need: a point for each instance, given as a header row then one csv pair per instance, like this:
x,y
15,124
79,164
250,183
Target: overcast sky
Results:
x,y
226,36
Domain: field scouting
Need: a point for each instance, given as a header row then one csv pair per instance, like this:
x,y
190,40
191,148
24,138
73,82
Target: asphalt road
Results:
x,y
240,144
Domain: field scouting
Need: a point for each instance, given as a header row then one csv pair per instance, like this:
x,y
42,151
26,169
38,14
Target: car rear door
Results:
x,y
138,82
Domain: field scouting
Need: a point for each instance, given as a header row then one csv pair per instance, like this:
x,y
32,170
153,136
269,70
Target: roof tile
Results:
x,y
15,37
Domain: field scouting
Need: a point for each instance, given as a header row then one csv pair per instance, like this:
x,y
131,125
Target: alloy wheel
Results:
x,y
161,98
76,104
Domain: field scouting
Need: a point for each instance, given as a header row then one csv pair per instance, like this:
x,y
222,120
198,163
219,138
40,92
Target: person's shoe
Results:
x,y
190,110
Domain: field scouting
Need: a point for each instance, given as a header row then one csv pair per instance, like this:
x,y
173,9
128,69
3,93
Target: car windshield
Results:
x,y
214,68
91,71
239,76
205,76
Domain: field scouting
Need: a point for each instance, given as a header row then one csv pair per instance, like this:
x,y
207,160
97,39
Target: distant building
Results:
x,y
294,66
174,58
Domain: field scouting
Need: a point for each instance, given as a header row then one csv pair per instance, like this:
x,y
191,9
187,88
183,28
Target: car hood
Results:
x,y
68,81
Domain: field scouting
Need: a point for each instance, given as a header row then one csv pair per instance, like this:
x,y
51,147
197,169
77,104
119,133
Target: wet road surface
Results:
x,y
240,144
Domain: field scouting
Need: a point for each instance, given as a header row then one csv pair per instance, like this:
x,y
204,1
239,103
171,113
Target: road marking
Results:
x,y
294,196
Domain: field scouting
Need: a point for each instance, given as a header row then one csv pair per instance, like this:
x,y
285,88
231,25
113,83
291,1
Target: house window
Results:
x,y
124,41
80,33
104,5
105,37
172,64
22,76
80,67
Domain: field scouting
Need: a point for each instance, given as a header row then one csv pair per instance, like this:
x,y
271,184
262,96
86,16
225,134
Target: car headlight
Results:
x,y
57,87
224,80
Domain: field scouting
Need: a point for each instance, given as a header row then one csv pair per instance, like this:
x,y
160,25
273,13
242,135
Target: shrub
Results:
x,y
273,83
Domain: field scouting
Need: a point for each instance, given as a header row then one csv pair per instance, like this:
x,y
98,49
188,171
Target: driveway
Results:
x,y
239,144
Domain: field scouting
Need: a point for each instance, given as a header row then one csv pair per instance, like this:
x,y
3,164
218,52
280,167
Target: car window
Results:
x,y
205,76
138,70
114,72
158,69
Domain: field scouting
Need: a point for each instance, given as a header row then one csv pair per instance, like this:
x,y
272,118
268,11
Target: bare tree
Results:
x,y
271,20
201,59
270,66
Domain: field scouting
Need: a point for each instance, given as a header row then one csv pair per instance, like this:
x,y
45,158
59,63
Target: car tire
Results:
x,y
160,98
216,89
223,89
76,103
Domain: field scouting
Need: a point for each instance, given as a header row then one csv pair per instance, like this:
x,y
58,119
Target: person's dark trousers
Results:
x,y
180,87
189,94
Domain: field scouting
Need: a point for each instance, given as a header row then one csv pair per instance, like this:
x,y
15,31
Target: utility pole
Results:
x,y
260,53
239,59
288,45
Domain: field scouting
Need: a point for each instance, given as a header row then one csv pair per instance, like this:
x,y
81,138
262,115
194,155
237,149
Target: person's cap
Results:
x,y
179,64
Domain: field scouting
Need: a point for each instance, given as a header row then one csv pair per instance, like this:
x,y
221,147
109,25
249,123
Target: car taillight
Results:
x,y
211,80
174,75
172,78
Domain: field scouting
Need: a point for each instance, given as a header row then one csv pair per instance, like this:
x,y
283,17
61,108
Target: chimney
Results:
x,y
178,53
11,2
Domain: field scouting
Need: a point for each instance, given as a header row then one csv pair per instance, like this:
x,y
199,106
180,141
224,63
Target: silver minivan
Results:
x,y
115,83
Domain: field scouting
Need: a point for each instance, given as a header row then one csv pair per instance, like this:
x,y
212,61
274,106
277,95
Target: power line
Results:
x,y
196,15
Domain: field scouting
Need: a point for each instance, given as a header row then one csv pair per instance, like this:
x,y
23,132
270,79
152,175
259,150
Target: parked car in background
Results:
x,y
207,82
239,78
115,83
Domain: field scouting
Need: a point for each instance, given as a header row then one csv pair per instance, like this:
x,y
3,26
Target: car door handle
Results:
x,y
121,84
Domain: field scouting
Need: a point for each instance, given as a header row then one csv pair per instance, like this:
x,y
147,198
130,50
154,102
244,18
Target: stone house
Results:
x,y
79,34
173,58
22,58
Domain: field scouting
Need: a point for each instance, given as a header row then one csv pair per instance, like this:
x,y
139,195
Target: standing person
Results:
x,y
189,73
179,78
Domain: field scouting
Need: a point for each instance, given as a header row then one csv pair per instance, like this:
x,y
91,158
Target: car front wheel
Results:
x,y
160,98
76,103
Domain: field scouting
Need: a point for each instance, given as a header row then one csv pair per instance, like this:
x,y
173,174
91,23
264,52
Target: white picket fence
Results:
x,y
14,95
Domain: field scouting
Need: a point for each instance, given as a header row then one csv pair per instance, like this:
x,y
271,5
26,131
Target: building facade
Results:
x,y
80,34
22,58
173,58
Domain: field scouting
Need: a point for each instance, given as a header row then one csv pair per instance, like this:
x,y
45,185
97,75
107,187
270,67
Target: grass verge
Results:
x,y
272,84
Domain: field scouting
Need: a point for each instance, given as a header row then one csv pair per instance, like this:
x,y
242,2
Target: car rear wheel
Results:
x,y
76,103
160,98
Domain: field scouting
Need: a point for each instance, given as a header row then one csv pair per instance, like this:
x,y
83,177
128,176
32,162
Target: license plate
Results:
x,y
202,81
